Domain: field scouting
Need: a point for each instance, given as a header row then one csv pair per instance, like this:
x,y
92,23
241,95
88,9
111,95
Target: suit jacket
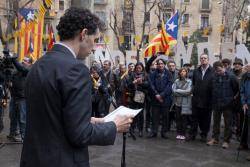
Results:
x,y
58,129
202,94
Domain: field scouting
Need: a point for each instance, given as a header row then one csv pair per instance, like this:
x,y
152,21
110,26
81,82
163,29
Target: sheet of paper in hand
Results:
x,y
121,111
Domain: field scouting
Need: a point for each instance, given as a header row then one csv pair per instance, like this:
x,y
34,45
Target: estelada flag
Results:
x,y
52,39
30,37
155,46
171,29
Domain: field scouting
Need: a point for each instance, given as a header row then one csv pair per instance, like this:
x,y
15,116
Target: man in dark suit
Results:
x,y
201,101
58,92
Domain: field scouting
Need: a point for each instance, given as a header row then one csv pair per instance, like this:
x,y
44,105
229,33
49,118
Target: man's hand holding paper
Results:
x,y
122,117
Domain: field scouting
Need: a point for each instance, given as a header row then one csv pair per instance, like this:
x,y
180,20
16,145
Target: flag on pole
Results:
x,y
39,34
158,44
171,29
27,13
52,39
31,33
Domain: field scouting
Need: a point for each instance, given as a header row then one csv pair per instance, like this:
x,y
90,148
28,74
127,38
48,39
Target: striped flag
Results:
x,y
48,3
171,29
30,38
158,44
154,47
52,39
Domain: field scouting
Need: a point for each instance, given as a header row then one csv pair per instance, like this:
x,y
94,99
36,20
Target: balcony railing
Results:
x,y
206,30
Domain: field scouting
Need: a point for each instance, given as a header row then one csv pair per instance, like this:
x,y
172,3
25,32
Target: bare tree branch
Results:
x,y
158,11
115,29
27,3
153,5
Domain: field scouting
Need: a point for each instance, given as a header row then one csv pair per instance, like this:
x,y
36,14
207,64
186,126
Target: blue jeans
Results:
x,y
17,111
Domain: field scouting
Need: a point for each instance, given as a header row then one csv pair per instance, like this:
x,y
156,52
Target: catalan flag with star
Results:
x,y
165,39
171,28
31,33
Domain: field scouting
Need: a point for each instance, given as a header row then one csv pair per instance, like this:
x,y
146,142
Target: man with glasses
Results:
x,y
201,101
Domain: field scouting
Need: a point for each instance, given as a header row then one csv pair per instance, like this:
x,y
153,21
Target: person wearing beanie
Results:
x,y
238,116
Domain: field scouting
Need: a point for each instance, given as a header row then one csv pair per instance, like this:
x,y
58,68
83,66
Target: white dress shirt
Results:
x,y
203,70
66,46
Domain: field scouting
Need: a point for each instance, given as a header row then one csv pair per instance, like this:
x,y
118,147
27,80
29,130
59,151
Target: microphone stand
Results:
x,y
124,137
107,84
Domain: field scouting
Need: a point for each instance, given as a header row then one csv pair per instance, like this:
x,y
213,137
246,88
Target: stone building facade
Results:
x,y
204,15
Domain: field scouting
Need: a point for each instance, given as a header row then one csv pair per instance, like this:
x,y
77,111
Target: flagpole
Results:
x,y
106,47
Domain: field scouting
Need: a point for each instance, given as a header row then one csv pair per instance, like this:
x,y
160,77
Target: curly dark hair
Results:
x,y
75,20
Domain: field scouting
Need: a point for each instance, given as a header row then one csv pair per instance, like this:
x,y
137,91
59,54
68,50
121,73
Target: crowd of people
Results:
x,y
184,99
56,91
12,89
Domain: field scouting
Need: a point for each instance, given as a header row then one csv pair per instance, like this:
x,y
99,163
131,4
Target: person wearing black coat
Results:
x,y
17,107
201,101
58,93
225,89
160,83
108,77
138,85
149,68
119,77
97,93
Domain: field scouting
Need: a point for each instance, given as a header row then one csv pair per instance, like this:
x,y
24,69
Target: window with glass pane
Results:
x,y
185,19
61,5
127,22
100,2
127,42
102,16
205,4
167,3
204,21
186,1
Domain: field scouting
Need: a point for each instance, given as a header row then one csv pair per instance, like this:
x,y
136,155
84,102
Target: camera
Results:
x,y
6,64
